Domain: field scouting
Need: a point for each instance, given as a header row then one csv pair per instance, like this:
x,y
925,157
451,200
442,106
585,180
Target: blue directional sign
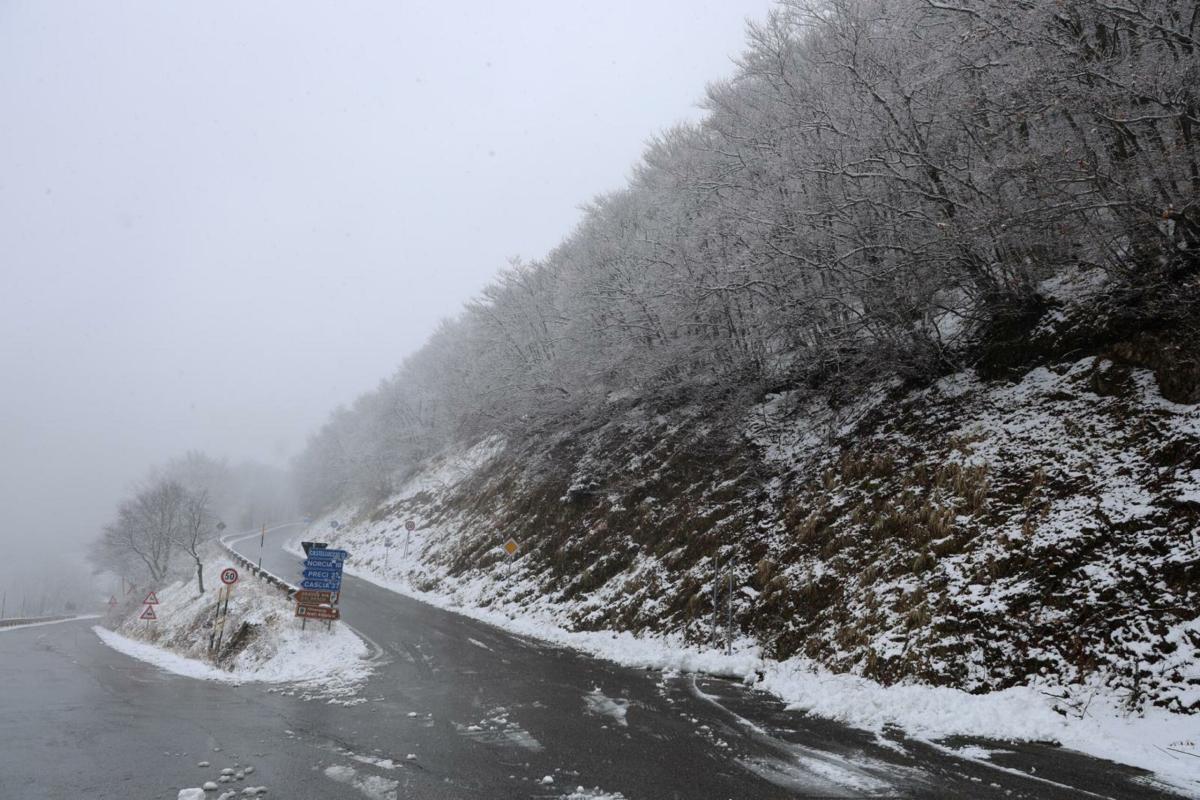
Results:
x,y
324,586
329,555
323,569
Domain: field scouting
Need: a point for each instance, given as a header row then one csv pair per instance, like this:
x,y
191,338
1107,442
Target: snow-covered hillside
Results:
x,y
1024,531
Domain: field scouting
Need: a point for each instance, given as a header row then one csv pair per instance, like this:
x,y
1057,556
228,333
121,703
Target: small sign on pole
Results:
x,y
229,576
151,599
261,541
511,548
149,614
409,527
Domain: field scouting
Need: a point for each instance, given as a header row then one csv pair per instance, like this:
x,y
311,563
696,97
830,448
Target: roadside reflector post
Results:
x,y
729,627
716,607
223,616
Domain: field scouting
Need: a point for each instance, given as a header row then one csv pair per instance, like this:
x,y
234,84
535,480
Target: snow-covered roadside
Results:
x,y
164,659
273,648
1163,743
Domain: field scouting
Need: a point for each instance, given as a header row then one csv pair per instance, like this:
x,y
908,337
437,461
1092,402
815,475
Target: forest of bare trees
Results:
x,y
878,181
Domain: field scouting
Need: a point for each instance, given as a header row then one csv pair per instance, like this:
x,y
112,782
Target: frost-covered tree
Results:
x,y
878,181
145,530
195,530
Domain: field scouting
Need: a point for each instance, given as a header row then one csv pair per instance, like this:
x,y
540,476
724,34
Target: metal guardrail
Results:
x,y
259,572
8,623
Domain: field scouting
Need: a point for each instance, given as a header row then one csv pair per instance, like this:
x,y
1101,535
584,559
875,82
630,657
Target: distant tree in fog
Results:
x,y
146,530
196,529
178,508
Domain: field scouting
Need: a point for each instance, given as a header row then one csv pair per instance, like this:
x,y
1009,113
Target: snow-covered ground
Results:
x,y
273,647
1154,739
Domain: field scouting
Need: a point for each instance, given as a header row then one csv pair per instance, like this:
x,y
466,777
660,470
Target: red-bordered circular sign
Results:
x,y
228,576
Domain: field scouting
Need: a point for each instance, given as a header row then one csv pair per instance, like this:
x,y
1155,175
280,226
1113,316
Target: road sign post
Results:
x,y
511,548
321,584
229,577
716,608
409,527
729,618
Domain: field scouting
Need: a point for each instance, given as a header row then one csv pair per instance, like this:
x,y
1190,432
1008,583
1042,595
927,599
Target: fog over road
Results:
x,y
485,713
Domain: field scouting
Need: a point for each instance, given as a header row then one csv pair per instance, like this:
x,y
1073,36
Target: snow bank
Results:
x,y
271,647
164,659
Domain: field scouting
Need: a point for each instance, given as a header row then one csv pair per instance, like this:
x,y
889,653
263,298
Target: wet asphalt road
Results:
x,y
486,715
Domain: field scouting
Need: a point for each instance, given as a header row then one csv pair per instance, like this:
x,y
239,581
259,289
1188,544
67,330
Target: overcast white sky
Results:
x,y
219,220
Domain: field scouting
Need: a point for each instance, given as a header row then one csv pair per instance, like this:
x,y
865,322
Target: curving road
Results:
x,y
484,714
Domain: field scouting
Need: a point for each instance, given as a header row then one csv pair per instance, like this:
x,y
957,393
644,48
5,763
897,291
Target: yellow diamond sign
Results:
x,y
510,547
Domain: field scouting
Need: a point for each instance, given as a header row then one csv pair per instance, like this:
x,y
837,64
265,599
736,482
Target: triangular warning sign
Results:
x,y
148,613
112,600
151,599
